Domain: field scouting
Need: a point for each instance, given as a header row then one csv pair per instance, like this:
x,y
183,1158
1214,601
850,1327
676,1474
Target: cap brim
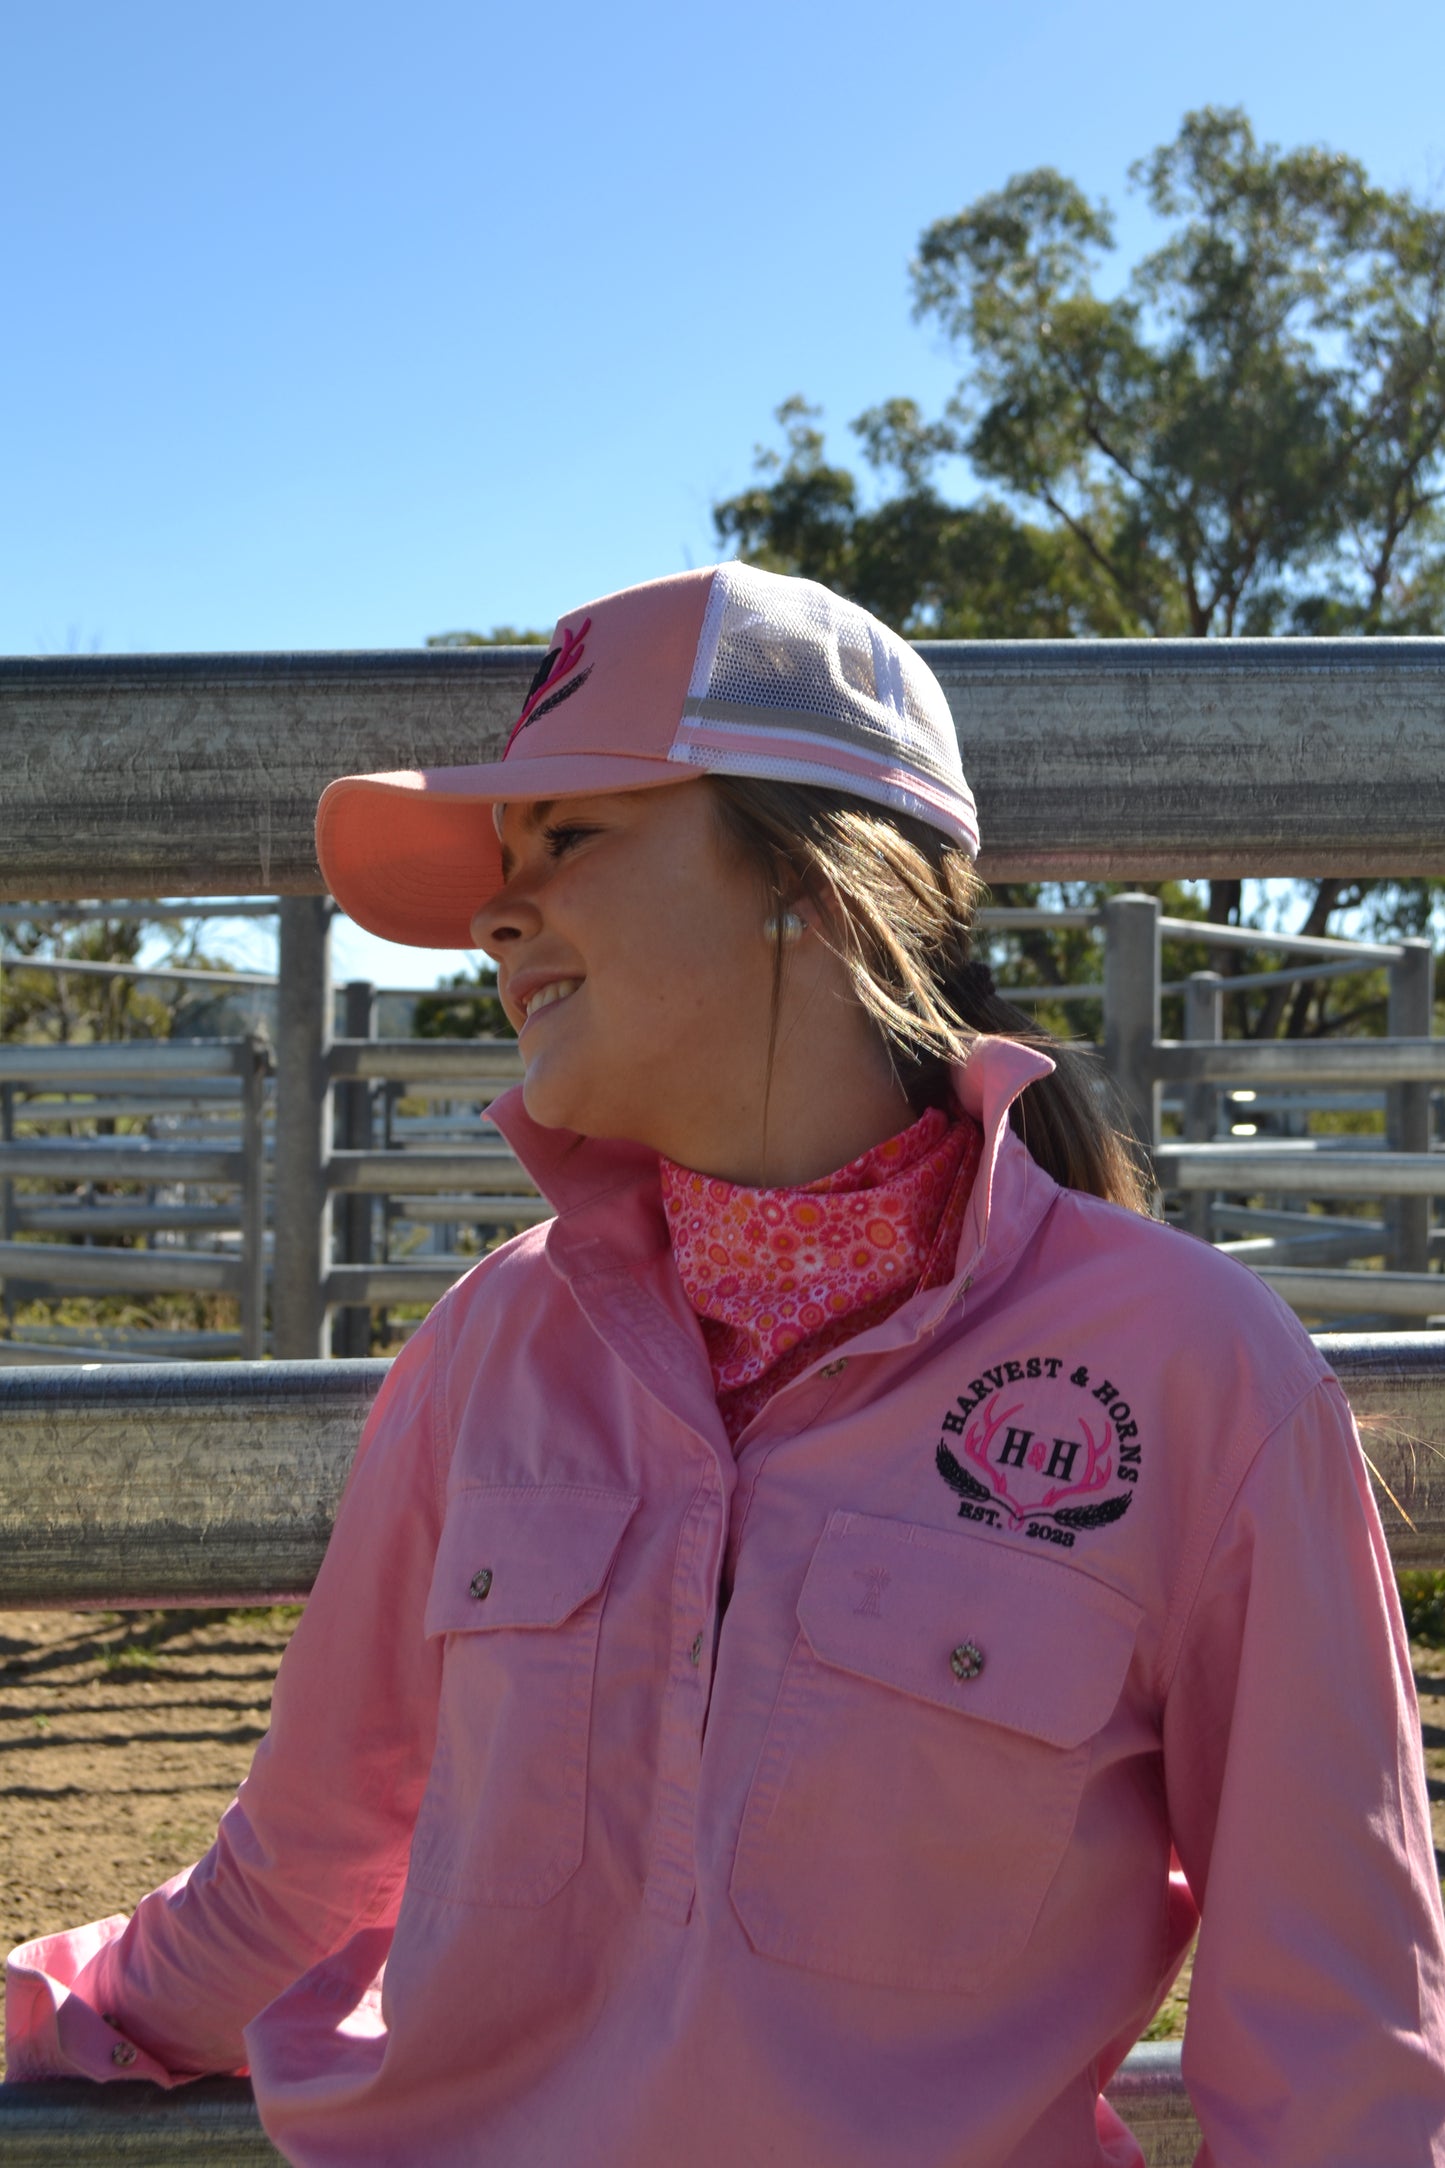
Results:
x,y
413,855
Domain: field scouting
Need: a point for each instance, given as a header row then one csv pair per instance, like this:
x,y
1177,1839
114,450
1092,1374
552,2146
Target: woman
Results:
x,y
789,1613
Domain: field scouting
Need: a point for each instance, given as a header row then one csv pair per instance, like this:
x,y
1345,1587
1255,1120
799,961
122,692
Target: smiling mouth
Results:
x,y
547,997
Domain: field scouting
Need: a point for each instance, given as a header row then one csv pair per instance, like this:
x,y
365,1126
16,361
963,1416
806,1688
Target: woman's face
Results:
x,y
633,961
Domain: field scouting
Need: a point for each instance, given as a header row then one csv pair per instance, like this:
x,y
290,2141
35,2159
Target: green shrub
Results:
x,y
1422,1599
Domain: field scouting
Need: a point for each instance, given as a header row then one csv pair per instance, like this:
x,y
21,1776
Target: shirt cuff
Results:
x,y
51,2029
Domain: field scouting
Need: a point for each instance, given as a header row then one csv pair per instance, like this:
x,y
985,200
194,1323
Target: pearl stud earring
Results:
x,y
788,928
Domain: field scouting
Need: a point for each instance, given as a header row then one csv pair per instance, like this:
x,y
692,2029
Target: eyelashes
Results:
x,y
560,839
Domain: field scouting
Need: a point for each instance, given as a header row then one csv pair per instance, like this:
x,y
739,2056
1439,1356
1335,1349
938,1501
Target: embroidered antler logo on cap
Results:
x,y
547,690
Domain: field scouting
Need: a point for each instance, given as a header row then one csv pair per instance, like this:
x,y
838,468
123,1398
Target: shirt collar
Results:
x,y
608,1195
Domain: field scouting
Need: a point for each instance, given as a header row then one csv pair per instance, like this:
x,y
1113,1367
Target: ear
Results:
x,y
819,909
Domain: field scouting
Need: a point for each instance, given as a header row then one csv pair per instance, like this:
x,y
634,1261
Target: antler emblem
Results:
x,y
995,1491
548,689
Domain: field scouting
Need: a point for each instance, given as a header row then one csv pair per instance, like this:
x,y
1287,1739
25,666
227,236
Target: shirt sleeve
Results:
x,y
1296,1790
314,1847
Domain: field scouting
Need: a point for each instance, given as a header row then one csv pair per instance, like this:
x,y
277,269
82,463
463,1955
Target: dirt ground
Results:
x,y
122,1737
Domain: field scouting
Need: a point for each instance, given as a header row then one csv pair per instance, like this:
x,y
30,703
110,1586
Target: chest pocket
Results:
x,y
518,1592
923,1765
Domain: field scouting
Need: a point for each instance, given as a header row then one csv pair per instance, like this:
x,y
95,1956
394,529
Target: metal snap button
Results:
x,y
832,1370
481,1583
694,1654
967,1660
123,2054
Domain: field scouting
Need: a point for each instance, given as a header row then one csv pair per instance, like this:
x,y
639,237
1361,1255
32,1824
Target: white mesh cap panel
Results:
x,y
789,653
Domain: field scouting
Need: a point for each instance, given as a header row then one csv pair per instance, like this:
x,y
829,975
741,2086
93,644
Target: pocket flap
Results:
x,y
523,1556
1042,1647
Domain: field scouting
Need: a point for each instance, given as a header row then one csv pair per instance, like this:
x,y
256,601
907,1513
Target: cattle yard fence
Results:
x,y
1115,760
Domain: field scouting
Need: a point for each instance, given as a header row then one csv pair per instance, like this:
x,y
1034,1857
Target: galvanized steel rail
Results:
x,y
1092,759
201,1483
173,1067
213,2123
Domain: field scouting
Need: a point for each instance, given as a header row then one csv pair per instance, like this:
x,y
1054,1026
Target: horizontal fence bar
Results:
x,y
212,2123
1011,917
32,1354
428,1279
61,1264
1211,935
123,1218
56,1097
77,1068
1295,1167
128,1159
1383,1294
1090,759
209,2124
1249,982
478,1090
1374,1062
1248,1219
146,1341
204,977
1306,1248
151,908
201,1483
382,1174
471,1211
468,1062
349,1284
173,1483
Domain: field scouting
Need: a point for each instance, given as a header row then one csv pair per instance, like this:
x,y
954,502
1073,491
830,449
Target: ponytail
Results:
x,y
901,902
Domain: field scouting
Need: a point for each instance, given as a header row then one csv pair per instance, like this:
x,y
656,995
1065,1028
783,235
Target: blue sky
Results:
x,y
332,327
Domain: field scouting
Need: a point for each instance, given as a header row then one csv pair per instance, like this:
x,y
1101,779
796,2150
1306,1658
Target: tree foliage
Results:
x,y
1246,435
41,1005
466,1005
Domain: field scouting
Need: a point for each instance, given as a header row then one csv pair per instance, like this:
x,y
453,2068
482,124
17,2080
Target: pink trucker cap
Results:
x,y
727,669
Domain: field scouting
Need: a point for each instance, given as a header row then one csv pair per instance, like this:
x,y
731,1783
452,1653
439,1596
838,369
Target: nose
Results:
x,y
504,919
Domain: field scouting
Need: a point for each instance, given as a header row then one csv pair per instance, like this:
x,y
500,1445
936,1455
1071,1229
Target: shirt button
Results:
x,y
123,2054
481,1583
967,1660
832,1370
694,1654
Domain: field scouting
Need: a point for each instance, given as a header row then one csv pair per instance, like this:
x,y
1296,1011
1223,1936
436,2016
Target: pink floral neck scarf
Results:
x,y
778,1276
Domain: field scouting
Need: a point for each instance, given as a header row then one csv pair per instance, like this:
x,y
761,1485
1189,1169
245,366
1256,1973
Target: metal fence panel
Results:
x,y
1091,759
193,1483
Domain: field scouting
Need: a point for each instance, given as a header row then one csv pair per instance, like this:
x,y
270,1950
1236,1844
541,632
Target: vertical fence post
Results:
x,y
1132,1009
254,1059
351,1327
302,1213
7,1188
1407,1106
1203,1020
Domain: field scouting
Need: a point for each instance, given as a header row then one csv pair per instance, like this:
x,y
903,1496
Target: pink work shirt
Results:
x,y
550,1857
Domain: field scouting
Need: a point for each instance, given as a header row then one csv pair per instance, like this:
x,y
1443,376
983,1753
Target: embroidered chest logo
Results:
x,y
1041,1449
557,678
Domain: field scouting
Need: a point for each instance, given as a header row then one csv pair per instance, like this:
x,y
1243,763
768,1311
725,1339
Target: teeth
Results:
x,y
556,991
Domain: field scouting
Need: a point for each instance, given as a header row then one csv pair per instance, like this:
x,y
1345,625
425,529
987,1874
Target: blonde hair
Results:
x,y
899,900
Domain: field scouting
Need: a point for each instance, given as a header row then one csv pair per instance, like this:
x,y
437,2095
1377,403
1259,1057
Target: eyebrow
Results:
x,y
532,817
